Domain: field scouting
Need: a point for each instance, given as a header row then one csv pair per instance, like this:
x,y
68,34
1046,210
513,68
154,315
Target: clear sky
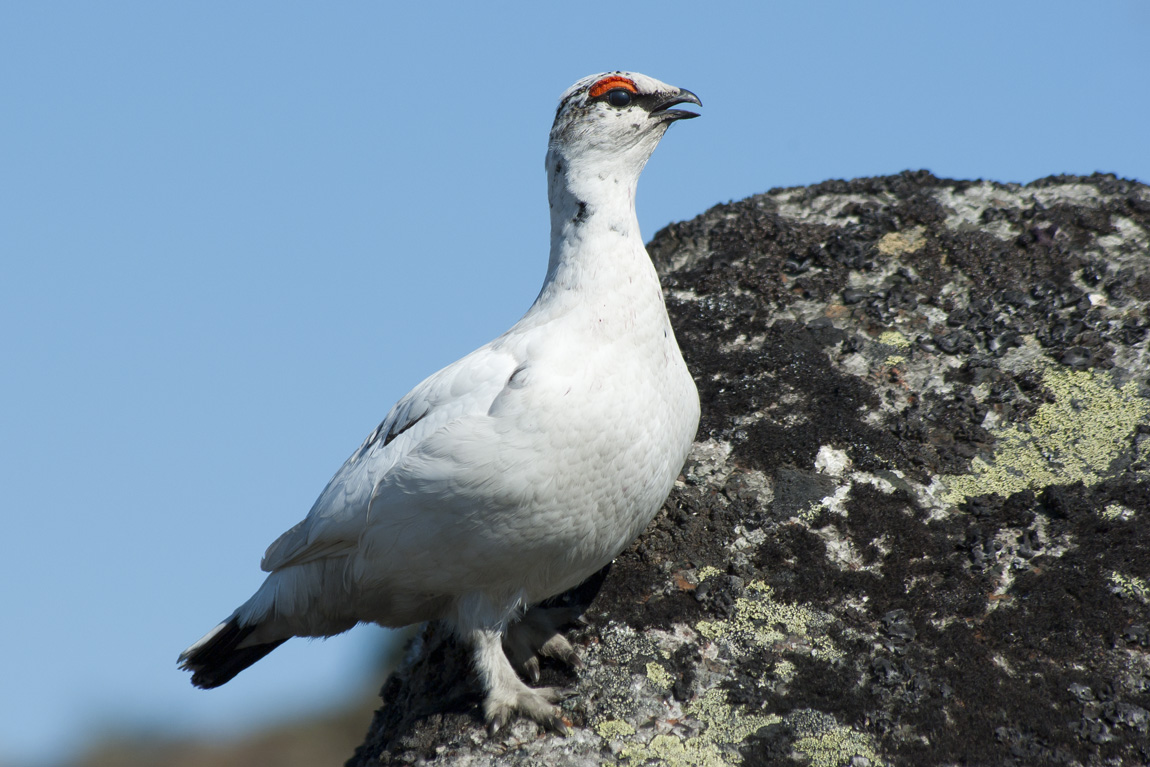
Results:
x,y
233,234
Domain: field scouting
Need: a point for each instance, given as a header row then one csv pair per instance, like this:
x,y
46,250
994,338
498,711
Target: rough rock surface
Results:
x,y
915,526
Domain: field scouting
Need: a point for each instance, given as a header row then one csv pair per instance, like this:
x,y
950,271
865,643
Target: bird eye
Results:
x,y
619,97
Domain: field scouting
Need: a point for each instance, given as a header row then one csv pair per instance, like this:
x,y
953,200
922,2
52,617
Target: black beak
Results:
x,y
663,107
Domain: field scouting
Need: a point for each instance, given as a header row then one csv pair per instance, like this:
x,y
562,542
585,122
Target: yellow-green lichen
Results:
x,y
757,617
691,752
894,360
1130,587
723,726
894,338
706,571
614,729
710,731
724,723
659,676
836,747
821,739
1117,511
813,509
1075,438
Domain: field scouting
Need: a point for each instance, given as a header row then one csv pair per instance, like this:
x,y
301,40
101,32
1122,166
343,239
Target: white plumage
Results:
x,y
518,471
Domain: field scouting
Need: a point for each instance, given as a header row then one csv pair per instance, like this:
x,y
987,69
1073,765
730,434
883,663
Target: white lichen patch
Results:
x,y
841,551
686,296
741,343
707,462
667,642
856,364
831,461
1061,194
968,206
1000,661
747,538
833,504
824,209
1130,239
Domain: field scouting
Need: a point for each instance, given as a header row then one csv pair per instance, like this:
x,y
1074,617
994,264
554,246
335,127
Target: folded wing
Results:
x,y
343,510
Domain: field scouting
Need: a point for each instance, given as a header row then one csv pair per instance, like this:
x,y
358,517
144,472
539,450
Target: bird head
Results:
x,y
608,124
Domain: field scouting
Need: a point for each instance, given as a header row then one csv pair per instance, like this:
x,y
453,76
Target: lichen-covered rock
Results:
x,y
915,527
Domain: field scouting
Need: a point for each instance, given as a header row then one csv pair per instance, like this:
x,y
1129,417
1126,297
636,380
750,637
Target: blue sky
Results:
x,y
232,234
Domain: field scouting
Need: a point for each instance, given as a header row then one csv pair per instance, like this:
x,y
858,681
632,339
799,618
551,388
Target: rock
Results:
x,y
915,526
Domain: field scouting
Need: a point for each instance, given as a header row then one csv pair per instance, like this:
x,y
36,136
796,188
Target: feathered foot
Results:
x,y
507,695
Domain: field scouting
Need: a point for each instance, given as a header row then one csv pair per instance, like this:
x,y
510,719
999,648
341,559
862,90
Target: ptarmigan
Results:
x,y
518,471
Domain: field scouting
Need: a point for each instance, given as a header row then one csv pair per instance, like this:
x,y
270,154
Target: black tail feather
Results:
x,y
218,660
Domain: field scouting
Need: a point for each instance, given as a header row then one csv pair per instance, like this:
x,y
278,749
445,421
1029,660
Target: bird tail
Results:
x,y
219,655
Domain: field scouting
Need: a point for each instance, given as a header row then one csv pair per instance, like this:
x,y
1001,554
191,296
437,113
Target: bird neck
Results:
x,y
594,229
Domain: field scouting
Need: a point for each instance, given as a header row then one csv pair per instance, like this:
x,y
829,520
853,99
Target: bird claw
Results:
x,y
559,726
531,668
560,649
536,704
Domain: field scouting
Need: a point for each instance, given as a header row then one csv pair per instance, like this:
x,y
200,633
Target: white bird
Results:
x,y
520,470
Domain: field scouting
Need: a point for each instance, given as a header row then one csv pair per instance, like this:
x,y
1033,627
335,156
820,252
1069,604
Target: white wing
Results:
x,y
340,515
